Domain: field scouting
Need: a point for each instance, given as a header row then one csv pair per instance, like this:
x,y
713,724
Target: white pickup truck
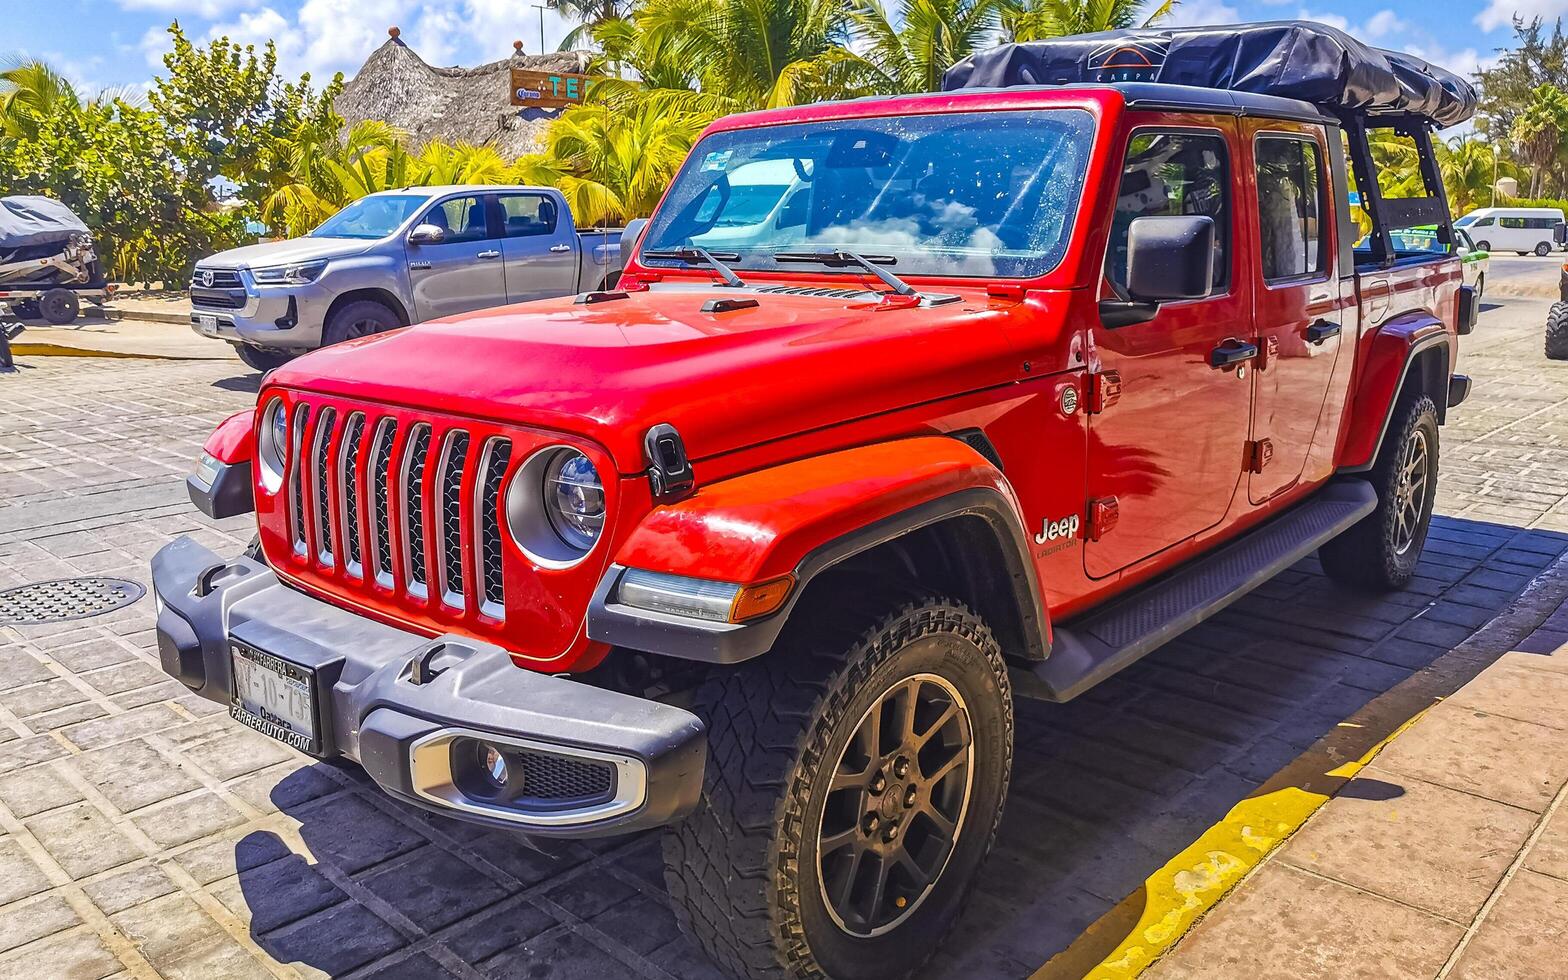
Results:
x,y
394,258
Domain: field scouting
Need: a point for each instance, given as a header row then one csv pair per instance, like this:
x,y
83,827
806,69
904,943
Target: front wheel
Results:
x,y
1381,550
361,318
855,782
261,359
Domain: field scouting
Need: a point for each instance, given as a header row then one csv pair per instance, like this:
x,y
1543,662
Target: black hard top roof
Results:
x,y
1286,62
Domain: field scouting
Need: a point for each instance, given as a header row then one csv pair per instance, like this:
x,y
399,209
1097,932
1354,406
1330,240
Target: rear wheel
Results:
x,y
1543,249
1557,332
855,781
1483,246
59,306
262,358
1380,552
361,318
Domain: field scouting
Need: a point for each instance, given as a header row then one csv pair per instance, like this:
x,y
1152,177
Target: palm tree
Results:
x,y
589,14
1034,20
1469,167
31,91
761,53
315,174
613,161
932,35
1540,130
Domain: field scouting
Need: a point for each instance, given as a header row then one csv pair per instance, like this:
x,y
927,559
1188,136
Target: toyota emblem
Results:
x,y
206,277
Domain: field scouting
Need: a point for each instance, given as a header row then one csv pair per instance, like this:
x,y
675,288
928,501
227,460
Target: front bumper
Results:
x,y
262,316
401,704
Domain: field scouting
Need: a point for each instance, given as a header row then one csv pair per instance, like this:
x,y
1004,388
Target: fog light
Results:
x,y
492,763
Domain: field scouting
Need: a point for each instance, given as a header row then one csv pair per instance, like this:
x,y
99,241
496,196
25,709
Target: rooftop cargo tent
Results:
x,y
1298,60
1275,68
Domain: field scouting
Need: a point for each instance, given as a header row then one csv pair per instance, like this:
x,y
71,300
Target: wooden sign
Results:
x,y
548,89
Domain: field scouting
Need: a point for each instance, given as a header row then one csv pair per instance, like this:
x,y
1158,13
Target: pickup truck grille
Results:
x,y
363,491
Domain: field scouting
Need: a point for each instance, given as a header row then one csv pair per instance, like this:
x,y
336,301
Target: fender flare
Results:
x,y
221,486
1392,356
870,495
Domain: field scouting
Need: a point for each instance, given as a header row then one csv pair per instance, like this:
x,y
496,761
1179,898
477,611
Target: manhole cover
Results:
x,y
66,599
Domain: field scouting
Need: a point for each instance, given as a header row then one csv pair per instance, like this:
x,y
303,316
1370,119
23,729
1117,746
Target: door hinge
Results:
x,y
1104,512
1259,453
1105,390
1268,350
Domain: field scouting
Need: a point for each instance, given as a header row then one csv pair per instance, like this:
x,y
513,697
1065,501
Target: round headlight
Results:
x,y
555,507
574,499
272,446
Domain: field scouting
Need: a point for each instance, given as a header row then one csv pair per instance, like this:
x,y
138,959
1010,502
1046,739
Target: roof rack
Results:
x,y
1293,59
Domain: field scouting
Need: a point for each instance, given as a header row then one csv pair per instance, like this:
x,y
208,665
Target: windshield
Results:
x,y
371,217
1466,221
956,194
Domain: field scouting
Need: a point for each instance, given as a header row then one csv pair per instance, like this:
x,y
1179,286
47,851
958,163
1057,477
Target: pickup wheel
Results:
x,y
261,359
1380,552
360,318
1557,332
855,781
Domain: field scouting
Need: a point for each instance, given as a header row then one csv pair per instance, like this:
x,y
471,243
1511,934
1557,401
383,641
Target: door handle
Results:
x,y
1232,352
1321,330
488,253
563,247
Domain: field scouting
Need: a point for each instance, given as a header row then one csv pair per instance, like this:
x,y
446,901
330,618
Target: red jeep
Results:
x,y
905,407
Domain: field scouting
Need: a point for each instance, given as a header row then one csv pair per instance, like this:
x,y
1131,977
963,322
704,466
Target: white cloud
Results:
x,y
1197,13
205,9
1500,13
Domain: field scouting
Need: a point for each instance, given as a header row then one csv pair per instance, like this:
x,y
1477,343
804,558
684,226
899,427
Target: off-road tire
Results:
x,y
361,318
1557,332
742,870
59,306
1543,249
262,359
1368,555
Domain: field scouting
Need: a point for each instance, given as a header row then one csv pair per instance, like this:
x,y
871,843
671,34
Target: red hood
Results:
x,y
725,380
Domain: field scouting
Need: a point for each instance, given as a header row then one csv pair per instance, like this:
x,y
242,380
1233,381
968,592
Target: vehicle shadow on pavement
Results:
x,y
1105,791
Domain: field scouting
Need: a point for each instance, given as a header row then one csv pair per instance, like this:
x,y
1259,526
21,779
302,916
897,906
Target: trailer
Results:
x,y
48,262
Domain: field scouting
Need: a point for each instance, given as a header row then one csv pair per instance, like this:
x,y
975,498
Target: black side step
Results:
x,y
1096,645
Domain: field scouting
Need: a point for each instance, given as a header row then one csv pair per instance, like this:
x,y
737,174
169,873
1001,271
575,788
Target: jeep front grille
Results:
x,y
453,460
363,491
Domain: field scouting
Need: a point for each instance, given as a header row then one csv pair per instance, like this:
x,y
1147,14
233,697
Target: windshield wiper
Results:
x,y
840,257
696,253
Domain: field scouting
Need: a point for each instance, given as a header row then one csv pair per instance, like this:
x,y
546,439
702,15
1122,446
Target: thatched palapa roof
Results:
x,y
452,104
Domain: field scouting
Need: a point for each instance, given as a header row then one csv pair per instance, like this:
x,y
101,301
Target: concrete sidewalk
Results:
x,y
136,323
1445,856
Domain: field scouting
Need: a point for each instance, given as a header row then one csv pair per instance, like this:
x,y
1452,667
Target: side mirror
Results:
x,y
1168,258
629,236
426,234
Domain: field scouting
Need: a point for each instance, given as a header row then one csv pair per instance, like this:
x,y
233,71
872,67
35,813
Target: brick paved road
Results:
x,y
142,833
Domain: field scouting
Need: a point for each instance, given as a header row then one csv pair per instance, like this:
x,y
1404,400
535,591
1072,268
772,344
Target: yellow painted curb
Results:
x,y
1193,881
57,350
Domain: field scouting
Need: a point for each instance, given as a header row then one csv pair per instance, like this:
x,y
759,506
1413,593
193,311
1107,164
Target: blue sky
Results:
x,y
100,43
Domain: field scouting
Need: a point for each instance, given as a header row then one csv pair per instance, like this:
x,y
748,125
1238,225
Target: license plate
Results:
x,y
207,324
274,697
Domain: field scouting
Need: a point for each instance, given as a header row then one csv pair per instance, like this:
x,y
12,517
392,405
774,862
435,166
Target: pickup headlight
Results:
x,y
297,274
555,507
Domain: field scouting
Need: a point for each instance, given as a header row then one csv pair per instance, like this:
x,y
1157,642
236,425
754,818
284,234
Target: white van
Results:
x,y
1519,230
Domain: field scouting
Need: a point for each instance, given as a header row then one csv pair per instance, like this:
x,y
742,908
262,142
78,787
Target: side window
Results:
x,y
527,215
1290,207
462,218
1173,174
1484,223
1511,222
